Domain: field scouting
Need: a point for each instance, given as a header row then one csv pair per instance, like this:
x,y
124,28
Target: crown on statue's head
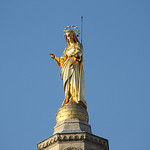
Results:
x,y
73,28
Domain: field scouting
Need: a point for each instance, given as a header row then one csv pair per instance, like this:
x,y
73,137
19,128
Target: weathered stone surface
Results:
x,y
72,125
74,141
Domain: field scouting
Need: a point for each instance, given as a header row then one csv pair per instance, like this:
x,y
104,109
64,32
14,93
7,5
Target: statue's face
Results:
x,y
70,36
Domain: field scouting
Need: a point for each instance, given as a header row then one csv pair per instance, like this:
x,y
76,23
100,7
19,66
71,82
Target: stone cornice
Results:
x,y
78,136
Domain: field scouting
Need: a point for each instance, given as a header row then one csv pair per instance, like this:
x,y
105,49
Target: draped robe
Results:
x,y
72,74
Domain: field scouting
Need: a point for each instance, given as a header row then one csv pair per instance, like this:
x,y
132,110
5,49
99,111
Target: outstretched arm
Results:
x,y
60,61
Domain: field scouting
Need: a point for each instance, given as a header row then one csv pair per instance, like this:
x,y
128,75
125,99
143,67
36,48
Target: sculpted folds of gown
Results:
x,y
72,72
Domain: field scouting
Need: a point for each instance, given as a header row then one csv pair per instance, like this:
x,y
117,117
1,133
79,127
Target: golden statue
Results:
x,y
72,72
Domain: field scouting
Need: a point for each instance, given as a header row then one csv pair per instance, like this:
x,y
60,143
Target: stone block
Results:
x,y
72,125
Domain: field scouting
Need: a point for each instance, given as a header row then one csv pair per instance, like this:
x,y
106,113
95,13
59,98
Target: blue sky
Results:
x,y
116,40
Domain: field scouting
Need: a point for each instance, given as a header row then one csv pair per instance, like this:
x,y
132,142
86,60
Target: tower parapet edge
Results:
x,y
74,141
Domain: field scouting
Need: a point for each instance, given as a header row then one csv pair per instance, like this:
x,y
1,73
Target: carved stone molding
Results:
x,y
72,137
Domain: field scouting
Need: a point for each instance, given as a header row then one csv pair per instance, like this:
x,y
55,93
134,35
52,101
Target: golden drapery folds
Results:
x,y
72,72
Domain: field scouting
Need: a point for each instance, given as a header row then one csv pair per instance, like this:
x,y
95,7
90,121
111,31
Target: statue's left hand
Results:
x,y
76,55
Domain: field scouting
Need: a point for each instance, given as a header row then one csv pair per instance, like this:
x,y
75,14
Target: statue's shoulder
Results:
x,y
79,45
65,49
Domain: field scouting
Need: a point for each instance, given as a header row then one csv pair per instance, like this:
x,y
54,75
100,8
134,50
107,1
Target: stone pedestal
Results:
x,y
72,125
72,117
72,131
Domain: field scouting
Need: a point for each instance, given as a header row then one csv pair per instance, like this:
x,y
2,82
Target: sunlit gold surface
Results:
x,y
72,110
72,72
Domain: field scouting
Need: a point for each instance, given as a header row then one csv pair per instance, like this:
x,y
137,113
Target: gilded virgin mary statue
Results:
x,y
72,72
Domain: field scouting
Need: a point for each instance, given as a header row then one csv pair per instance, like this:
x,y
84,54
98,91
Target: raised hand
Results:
x,y
52,55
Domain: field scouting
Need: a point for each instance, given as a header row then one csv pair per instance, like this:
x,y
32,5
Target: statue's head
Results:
x,y
70,35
